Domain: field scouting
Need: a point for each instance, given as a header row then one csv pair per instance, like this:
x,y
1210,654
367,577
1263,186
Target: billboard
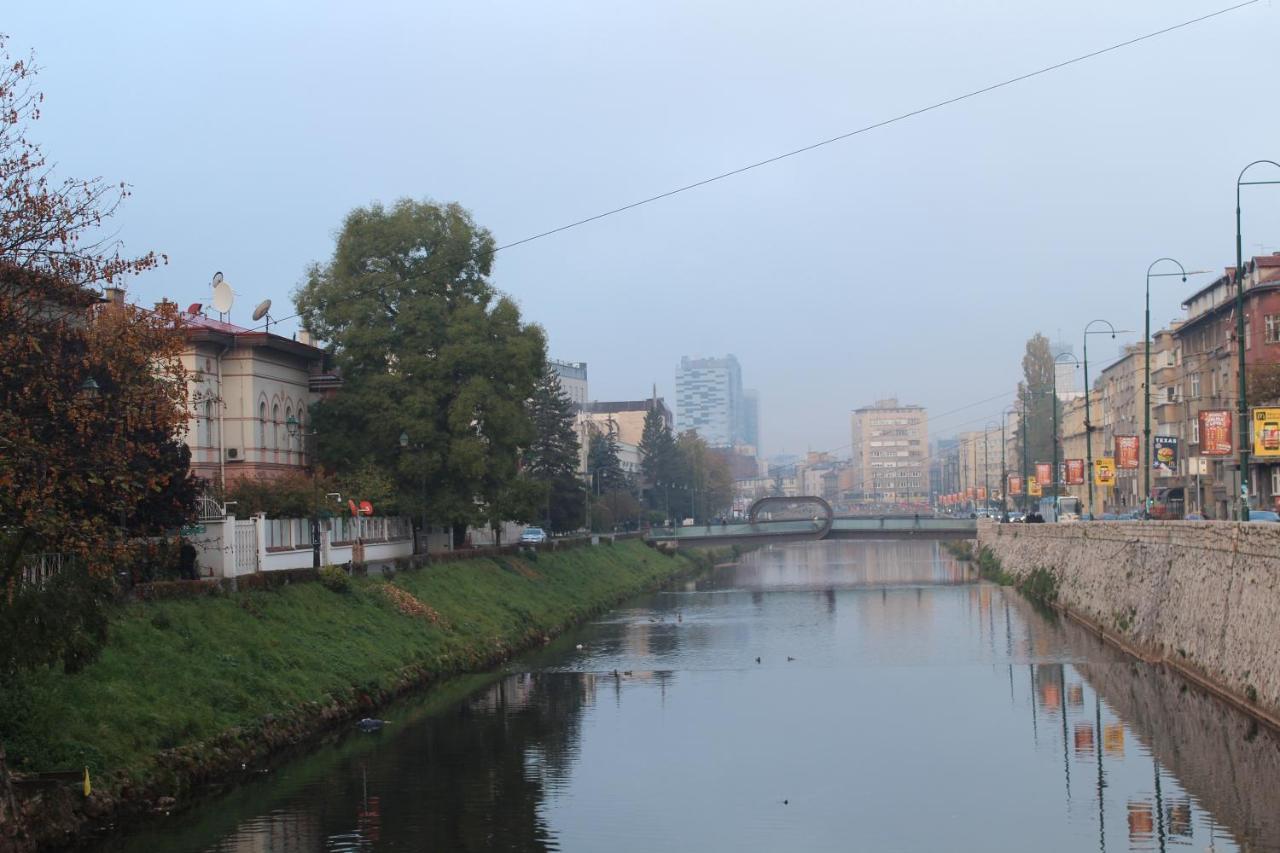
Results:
x,y
1266,433
1104,471
1075,472
1127,452
1044,473
1033,487
1164,455
1215,432
1015,485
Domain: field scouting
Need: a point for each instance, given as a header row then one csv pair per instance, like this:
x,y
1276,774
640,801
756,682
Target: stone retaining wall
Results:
x,y
1204,596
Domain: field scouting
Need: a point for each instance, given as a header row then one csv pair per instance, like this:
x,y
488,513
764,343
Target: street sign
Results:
x,y
192,529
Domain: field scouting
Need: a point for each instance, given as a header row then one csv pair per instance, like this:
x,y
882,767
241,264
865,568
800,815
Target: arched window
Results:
x,y
288,439
262,424
275,425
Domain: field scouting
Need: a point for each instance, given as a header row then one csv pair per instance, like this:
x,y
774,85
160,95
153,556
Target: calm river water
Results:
x,y
826,696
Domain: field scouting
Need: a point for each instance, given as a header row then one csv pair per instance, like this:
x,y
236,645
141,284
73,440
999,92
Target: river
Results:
x,y
826,696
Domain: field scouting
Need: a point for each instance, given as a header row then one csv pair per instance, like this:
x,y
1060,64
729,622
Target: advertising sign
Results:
x,y
1127,452
982,493
1266,433
1164,455
1215,432
1015,485
1075,472
1033,487
1044,473
1104,471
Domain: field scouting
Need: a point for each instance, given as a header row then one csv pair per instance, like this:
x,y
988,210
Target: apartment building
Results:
x,y
890,451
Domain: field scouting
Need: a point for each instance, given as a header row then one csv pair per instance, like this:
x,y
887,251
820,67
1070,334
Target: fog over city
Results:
x,y
913,260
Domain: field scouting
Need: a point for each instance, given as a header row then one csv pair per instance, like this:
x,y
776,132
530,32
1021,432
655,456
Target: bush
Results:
x,y
335,579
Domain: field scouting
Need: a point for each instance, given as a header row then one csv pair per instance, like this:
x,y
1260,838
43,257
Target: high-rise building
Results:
x,y
751,419
1064,370
891,453
709,399
573,379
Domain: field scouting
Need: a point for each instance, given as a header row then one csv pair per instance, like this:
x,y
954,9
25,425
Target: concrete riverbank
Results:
x,y
1200,596
190,696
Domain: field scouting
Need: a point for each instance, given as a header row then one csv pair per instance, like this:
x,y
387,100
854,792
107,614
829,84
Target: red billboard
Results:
x,y
1044,473
1075,472
1215,432
1127,452
1015,485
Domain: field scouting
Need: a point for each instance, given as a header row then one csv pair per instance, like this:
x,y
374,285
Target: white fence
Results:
x,y
230,547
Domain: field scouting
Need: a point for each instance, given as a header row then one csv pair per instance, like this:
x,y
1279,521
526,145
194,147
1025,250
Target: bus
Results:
x,y
1069,508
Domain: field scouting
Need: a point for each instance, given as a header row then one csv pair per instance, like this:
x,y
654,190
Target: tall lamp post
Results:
x,y
1004,466
1088,416
422,494
1053,475
1146,380
295,430
1242,408
987,430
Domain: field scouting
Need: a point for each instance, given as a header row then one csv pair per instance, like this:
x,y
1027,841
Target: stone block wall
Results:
x,y
1204,596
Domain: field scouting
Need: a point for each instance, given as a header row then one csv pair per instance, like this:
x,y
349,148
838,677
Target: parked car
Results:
x,y
1194,516
1263,515
533,536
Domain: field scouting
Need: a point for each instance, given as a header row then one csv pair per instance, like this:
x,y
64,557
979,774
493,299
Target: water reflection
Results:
x,y
825,696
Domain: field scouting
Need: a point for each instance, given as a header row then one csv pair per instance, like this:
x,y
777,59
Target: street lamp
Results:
x,y
1242,408
1146,381
1004,465
1053,475
1088,417
405,445
295,430
987,429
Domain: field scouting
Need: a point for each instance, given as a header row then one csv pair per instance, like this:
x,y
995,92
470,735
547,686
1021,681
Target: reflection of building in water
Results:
x,y
1113,740
1083,738
1142,821
278,832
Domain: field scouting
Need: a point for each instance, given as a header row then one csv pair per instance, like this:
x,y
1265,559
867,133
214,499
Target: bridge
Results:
x,y
808,519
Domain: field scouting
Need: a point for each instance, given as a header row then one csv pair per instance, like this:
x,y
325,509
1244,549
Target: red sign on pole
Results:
x,y
1127,454
1215,432
1044,473
1015,485
1075,472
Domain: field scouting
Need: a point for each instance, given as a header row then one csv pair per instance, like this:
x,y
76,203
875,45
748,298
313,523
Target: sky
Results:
x,y
913,260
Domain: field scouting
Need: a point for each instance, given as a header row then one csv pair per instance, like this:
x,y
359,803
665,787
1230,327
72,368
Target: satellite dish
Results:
x,y
223,296
261,311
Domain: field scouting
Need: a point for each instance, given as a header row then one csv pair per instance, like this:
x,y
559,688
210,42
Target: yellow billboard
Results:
x,y
1033,487
1266,433
1104,471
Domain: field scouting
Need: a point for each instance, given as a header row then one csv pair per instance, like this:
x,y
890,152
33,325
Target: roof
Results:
x,y
200,327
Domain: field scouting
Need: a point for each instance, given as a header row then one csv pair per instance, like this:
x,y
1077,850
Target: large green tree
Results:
x,y
551,459
428,347
1035,395
707,484
657,459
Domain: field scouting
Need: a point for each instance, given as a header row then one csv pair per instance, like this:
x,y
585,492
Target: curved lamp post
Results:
x,y
1004,465
295,429
1088,418
1053,475
987,429
1146,382
1243,408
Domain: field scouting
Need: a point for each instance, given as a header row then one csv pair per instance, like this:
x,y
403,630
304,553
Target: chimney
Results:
x,y
304,337
113,295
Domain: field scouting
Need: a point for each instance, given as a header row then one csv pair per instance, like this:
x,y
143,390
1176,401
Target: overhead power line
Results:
x,y
1057,66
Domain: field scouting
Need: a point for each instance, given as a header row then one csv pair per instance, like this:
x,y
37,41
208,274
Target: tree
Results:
x,y
657,458
604,465
708,485
551,459
427,347
1035,393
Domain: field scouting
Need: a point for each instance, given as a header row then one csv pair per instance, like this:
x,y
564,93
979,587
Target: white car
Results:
x,y
533,536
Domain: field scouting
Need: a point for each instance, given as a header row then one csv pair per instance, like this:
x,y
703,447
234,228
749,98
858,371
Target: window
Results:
x,y
1195,430
1272,326
1171,394
288,416
262,424
1195,386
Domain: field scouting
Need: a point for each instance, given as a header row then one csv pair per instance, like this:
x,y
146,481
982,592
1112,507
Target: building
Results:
x,y
979,464
1120,384
573,380
245,388
890,451
1204,375
750,433
1064,371
626,419
709,399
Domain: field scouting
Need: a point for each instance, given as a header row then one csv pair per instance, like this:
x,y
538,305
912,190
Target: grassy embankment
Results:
x,y
1039,584
184,672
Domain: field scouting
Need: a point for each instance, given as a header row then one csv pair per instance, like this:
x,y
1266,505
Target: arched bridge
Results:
x,y
807,519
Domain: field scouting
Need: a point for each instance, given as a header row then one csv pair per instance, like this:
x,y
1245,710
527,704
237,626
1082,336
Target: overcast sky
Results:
x,y
913,260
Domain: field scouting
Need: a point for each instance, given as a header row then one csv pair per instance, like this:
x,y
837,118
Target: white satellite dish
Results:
x,y
261,311
223,295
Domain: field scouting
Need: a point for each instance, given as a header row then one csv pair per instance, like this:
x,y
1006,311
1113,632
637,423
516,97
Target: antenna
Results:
x,y
223,296
261,311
